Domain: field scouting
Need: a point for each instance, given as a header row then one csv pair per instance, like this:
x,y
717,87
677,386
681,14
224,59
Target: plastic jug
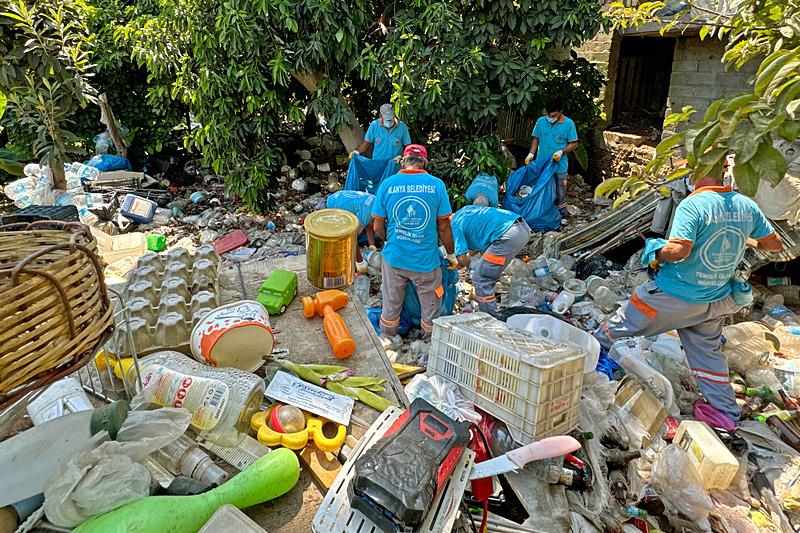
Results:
x,y
563,301
715,465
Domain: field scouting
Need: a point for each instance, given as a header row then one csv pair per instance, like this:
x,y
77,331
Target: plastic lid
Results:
x,y
109,418
331,223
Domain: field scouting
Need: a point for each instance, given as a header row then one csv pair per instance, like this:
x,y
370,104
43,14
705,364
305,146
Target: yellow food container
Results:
x,y
331,248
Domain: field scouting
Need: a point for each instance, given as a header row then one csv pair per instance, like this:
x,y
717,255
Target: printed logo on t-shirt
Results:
x,y
377,140
411,214
721,251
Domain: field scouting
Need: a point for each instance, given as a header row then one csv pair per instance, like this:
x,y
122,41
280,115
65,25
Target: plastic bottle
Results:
x,y
84,172
785,315
558,271
361,286
617,459
539,267
789,337
221,400
563,301
184,457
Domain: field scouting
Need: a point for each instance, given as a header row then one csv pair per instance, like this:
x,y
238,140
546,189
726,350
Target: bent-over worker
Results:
x,y
692,289
412,214
387,136
360,204
554,135
499,235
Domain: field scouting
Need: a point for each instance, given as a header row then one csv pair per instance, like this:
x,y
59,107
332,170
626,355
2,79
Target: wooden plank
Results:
x,y
306,343
323,466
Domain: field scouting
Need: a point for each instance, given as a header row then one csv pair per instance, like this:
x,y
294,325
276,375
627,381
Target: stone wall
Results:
x,y
699,77
602,51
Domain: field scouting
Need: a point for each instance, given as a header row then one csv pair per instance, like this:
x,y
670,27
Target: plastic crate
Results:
x,y
531,384
35,213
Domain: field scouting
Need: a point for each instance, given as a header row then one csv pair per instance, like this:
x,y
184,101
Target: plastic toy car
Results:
x,y
277,292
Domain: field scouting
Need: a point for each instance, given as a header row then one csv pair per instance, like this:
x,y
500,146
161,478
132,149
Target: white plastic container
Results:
x,y
555,330
230,520
715,464
531,384
113,248
62,397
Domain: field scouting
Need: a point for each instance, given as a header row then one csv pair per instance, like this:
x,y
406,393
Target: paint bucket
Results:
x,y
236,335
331,248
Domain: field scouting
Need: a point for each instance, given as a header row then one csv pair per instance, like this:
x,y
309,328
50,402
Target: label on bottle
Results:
x,y
205,398
779,311
794,330
567,477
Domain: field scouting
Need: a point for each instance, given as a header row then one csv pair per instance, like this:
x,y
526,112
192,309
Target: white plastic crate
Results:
x,y
531,384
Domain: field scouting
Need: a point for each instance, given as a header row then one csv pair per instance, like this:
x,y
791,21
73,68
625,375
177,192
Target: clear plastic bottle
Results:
x,y
789,337
221,400
539,267
785,316
558,271
81,171
563,301
361,286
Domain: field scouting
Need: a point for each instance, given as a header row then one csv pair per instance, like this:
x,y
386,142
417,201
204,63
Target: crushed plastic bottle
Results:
x,y
789,337
361,286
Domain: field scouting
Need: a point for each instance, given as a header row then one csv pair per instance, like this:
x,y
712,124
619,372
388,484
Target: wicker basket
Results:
x,y
54,308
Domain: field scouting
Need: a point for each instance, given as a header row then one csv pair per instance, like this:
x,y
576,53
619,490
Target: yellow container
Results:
x,y
331,248
716,465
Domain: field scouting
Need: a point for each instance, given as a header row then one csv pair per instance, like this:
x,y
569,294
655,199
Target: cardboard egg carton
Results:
x,y
162,300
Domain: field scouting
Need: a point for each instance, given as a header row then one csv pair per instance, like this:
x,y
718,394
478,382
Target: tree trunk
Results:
x,y
57,169
352,136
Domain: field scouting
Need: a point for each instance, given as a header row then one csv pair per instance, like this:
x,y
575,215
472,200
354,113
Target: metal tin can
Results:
x,y
331,248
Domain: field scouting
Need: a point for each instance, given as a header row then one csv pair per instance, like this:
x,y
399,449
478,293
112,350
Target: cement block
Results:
x,y
687,65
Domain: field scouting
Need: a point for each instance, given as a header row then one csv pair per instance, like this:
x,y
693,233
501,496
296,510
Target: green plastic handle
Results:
x,y
271,476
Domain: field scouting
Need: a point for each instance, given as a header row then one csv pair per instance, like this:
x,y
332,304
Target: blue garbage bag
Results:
x,y
538,208
483,184
365,174
411,305
108,162
374,316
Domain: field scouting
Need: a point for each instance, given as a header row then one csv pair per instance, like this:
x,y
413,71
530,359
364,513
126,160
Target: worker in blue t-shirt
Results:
x,y
692,291
554,135
387,136
412,214
360,204
499,234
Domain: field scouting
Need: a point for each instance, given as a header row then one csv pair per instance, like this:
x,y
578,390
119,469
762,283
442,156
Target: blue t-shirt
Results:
x,y
387,143
476,228
411,201
357,202
483,184
554,137
716,222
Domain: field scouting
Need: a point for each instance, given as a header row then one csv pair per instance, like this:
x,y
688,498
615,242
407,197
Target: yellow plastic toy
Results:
x,y
299,439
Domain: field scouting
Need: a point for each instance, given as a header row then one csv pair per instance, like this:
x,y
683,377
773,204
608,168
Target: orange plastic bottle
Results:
x,y
325,304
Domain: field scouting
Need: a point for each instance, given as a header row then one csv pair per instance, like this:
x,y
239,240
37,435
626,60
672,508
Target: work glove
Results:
x,y
398,159
361,267
353,154
557,155
529,158
453,262
372,248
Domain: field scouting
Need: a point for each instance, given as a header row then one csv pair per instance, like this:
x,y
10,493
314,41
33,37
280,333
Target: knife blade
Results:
x,y
519,457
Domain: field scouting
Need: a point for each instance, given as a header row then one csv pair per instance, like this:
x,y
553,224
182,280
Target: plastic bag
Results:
x,y
676,480
365,174
108,162
763,376
95,481
443,395
538,206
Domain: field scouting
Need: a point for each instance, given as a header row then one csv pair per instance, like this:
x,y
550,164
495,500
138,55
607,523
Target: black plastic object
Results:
x,y
596,265
34,213
397,479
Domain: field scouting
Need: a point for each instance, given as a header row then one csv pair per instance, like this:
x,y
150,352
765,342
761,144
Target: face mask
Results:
x,y
388,123
552,120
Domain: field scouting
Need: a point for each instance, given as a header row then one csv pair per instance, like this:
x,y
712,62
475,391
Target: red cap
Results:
x,y
416,149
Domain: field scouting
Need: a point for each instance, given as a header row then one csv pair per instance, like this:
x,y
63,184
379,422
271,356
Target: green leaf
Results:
x,y
703,32
712,110
608,186
746,179
789,130
744,141
769,163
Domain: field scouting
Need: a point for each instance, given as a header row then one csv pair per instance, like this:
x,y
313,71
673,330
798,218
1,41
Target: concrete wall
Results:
x,y
699,77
